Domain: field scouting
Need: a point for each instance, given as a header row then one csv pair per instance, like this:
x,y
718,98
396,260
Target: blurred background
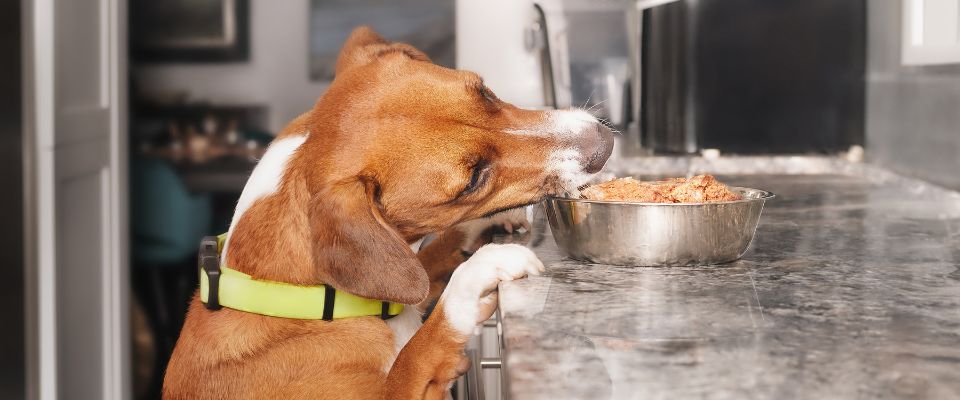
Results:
x,y
129,128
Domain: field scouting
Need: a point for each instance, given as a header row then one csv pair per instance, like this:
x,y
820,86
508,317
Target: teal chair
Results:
x,y
166,225
167,221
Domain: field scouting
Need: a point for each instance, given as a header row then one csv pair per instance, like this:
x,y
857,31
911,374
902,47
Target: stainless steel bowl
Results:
x,y
651,234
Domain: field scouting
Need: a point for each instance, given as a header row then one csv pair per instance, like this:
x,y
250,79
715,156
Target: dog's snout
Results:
x,y
582,144
596,148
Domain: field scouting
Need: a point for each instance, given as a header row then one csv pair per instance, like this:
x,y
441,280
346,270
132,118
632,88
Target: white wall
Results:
x,y
276,75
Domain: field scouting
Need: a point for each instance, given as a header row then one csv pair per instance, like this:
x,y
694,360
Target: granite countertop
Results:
x,y
851,289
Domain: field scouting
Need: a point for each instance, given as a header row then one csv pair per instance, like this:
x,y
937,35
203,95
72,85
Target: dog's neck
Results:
x,y
269,231
268,237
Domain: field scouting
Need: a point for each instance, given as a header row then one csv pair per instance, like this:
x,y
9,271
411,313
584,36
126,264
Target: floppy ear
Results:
x,y
364,45
357,251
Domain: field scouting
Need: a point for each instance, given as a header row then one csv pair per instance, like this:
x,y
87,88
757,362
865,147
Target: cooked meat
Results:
x,y
698,189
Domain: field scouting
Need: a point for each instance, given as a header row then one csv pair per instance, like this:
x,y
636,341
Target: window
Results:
x,y
425,24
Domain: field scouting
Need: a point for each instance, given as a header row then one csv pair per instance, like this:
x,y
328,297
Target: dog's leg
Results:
x,y
476,230
451,247
440,258
433,358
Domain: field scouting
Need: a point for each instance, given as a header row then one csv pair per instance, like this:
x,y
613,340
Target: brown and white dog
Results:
x,y
397,148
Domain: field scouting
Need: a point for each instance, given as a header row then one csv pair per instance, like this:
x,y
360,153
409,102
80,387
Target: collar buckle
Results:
x,y
385,311
209,260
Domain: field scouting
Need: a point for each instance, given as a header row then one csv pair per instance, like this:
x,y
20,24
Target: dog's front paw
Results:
x,y
471,297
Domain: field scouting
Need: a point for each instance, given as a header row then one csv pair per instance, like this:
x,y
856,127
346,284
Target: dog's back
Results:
x,y
235,355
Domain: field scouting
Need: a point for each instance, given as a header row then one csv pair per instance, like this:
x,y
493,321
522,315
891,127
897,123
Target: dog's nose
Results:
x,y
596,148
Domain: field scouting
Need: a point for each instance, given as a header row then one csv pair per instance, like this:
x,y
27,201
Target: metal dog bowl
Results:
x,y
656,234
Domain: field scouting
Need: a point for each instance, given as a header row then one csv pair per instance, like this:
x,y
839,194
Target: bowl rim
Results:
x,y
764,196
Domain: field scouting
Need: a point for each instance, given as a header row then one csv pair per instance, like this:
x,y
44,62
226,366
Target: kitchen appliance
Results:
x,y
681,76
656,234
559,54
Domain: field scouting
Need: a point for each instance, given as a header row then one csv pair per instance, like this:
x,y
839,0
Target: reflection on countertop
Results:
x,y
851,289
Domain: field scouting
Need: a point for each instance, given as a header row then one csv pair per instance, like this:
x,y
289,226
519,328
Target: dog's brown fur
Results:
x,y
390,147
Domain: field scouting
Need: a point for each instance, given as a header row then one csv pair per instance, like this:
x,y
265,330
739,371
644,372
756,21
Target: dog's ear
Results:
x,y
365,45
357,251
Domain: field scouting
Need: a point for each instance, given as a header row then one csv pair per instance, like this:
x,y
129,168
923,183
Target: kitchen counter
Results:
x,y
850,289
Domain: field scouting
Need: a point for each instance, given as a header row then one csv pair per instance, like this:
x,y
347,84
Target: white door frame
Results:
x,y
38,38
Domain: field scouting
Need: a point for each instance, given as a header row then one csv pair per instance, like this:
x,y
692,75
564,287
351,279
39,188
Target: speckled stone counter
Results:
x,y
850,289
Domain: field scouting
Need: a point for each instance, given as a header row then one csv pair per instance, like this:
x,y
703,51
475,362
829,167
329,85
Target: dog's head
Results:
x,y
401,147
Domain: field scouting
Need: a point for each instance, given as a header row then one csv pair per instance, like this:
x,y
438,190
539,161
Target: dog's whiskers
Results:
x,y
598,104
606,122
587,101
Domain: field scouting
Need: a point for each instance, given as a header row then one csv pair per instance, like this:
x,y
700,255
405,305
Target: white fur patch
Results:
x,y
567,166
264,180
562,123
572,122
566,163
404,326
469,283
407,323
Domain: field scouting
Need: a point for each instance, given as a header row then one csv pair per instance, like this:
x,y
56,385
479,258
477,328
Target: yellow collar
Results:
x,y
239,291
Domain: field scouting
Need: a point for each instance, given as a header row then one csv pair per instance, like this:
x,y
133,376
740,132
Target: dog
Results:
x,y
396,148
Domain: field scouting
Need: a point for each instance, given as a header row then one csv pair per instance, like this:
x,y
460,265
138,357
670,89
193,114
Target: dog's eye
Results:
x,y
477,177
